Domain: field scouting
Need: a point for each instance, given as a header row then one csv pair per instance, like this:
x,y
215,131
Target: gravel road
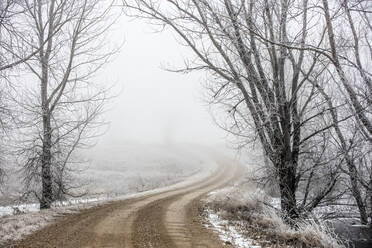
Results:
x,y
170,218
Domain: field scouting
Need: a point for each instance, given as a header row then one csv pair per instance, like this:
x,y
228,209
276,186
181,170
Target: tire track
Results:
x,y
166,222
162,219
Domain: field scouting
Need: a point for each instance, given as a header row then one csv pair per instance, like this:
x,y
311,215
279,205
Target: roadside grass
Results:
x,y
248,209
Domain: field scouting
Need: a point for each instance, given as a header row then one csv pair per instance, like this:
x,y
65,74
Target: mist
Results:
x,y
151,123
154,105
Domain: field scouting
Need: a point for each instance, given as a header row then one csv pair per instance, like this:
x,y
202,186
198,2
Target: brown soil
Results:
x,y
169,219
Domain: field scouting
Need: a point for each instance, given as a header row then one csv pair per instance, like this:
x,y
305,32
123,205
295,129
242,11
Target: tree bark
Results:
x,y
287,185
47,190
46,156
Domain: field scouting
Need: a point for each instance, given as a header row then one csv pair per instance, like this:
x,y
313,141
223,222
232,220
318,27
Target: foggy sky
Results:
x,y
155,106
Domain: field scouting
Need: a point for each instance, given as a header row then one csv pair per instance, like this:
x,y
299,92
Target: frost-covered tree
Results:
x,y
61,104
279,71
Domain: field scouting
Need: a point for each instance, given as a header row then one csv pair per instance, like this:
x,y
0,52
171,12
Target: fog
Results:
x,y
158,124
159,130
154,105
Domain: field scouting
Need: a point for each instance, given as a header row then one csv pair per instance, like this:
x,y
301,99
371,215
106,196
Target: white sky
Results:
x,y
155,103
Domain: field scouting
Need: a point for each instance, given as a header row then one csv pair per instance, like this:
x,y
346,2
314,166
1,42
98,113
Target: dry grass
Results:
x,y
249,207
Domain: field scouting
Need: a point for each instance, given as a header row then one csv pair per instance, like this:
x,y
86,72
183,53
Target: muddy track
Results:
x,y
167,219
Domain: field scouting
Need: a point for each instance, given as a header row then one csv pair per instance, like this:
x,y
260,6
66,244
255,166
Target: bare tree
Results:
x,y
262,74
61,111
350,53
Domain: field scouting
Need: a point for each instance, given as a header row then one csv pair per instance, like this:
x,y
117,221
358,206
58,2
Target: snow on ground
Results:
x,y
35,207
115,171
18,220
118,170
243,216
18,223
13,227
134,168
228,232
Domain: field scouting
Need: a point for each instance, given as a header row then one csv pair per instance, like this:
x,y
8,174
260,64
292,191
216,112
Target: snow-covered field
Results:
x,y
118,170
121,174
122,170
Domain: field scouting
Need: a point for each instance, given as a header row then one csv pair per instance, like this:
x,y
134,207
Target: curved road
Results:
x,y
166,219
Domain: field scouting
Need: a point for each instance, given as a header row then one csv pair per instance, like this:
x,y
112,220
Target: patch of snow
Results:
x,y
14,224
35,207
275,202
14,227
360,225
19,208
228,233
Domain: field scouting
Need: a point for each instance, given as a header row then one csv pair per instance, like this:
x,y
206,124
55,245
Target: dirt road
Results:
x,y
166,219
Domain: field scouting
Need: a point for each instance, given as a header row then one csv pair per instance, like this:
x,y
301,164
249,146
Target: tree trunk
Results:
x,y
369,192
46,156
353,175
47,191
287,185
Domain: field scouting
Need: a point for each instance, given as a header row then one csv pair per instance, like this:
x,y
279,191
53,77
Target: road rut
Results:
x,y
166,219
